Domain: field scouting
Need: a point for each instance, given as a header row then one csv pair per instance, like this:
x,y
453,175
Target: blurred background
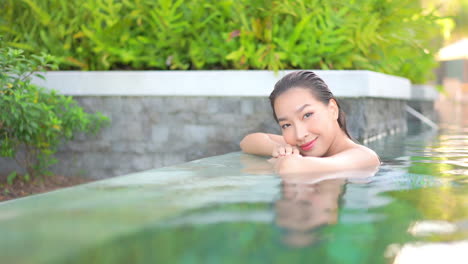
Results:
x,y
452,72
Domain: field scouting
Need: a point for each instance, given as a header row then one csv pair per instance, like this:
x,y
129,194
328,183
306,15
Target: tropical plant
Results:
x,y
33,120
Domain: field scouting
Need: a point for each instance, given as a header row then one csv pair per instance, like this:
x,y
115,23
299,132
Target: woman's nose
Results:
x,y
301,132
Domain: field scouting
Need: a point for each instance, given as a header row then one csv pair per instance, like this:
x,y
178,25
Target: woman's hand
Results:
x,y
286,164
284,150
285,157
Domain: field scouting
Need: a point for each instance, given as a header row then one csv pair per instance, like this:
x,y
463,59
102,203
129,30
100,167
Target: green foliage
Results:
x,y
11,177
395,37
33,121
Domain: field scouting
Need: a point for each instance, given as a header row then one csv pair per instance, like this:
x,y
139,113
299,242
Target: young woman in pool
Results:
x,y
314,136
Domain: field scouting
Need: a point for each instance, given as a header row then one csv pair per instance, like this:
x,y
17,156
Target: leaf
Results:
x,y
44,18
26,177
40,76
298,30
11,177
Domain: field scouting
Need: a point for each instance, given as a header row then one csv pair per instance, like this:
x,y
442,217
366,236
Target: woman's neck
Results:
x,y
340,143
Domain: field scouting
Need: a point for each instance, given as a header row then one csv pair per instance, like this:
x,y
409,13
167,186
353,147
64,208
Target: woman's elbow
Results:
x,y
246,142
242,144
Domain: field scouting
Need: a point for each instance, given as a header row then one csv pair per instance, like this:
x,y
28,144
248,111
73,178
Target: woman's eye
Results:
x,y
284,126
308,115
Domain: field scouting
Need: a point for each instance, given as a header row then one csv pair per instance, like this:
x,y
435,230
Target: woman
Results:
x,y
314,136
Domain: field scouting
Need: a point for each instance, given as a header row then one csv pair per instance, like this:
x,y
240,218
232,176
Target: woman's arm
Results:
x,y
261,143
359,158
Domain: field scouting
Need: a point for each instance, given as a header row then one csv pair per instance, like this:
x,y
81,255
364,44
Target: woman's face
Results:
x,y
306,122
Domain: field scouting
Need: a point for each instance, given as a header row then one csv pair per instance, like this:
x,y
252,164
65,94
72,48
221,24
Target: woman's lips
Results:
x,y
309,146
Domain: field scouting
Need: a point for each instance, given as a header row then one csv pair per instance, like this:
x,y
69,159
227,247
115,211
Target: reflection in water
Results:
x,y
304,207
308,201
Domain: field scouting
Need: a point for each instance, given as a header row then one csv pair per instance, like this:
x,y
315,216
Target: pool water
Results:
x,y
234,209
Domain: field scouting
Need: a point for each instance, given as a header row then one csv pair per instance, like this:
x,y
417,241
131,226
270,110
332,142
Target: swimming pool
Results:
x,y
233,209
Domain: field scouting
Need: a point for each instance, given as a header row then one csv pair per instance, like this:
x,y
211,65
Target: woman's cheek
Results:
x,y
289,137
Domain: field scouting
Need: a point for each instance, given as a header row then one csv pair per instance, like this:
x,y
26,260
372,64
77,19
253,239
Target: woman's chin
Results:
x,y
311,153
308,153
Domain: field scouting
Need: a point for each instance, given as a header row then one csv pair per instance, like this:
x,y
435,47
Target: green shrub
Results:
x,y
395,37
33,121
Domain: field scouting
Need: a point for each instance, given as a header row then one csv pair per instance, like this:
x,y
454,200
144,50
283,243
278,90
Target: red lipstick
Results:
x,y
308,146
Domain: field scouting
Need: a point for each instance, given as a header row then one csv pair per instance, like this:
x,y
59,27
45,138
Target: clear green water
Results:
x,y
233,209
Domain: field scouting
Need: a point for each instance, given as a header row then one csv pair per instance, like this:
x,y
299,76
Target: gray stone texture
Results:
x,y
371,118
152,131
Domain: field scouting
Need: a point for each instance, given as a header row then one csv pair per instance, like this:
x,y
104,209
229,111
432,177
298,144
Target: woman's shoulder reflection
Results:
x,y
309,202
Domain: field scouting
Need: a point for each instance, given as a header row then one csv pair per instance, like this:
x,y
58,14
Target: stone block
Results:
x,y
160,134
87,146
126,127
229,105
8,165
141,162
198,133
169,159
129,147
246,106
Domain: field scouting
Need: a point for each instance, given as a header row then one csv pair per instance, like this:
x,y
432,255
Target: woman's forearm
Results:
x,y
345,162
258,144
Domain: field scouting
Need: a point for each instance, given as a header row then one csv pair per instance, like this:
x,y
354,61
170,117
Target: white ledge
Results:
x,y
424,92
216,83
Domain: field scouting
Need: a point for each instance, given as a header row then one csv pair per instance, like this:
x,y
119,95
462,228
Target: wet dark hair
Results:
x,y
310,81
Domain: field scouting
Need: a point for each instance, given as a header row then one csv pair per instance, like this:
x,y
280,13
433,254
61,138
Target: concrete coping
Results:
x,y
249,83
424,92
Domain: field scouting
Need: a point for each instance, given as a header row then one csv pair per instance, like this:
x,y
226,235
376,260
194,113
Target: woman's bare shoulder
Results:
x,y
361,156
365,149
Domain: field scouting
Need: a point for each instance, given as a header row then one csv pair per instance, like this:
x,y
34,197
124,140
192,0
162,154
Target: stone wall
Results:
x,y
372,118
155,131
151,132
160,118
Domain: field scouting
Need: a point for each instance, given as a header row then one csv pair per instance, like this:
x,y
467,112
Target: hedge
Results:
x,y
393,36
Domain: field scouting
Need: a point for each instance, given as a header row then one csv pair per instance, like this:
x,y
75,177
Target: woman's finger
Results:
x,y
288,150
296,151
275,153
282,151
